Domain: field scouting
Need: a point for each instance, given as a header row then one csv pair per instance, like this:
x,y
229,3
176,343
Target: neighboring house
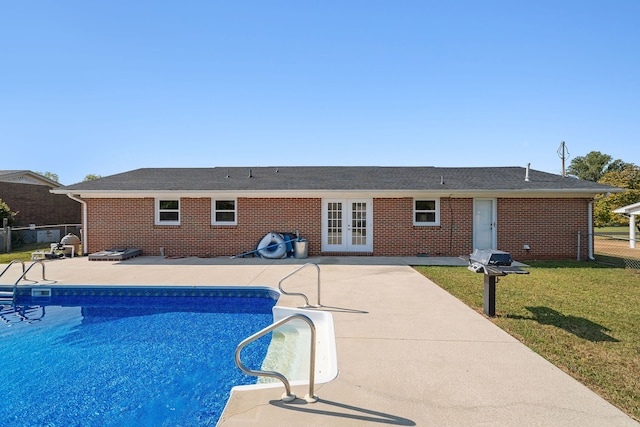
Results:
x,y
632,211
28,194
380,211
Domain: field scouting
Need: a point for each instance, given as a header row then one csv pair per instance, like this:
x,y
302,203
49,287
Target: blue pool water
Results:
x,y
116,358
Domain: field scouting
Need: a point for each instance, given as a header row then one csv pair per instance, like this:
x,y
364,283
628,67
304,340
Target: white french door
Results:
x,y
484,224
347,225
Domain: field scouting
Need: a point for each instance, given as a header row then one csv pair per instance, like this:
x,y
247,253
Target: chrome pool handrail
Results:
x,y
6,295
287,396
13,261
298,293
24,275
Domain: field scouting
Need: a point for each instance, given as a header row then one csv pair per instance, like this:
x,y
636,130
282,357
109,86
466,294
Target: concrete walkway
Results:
x,y
409,353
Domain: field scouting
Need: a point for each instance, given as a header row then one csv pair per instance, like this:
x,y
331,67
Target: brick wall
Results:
x,y
549,226
395,235
36,205
129,223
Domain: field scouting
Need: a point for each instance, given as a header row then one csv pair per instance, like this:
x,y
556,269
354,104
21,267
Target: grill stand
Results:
x,y
492,264
491,274
490,295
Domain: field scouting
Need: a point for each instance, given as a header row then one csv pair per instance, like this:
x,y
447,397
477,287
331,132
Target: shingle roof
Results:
x,y
355,178
10,172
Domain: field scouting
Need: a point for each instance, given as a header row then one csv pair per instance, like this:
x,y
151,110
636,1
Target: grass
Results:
x,y
610,260
621,229
23,253
582,317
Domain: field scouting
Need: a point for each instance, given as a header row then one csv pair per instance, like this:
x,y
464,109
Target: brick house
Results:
x,y
380,211
28,193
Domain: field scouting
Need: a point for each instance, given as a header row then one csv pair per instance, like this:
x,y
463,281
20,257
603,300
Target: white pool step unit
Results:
x,y
289,353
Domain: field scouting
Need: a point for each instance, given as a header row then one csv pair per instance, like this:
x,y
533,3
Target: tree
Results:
x,y
91,177
594,165
50,175
619,166
628,178
5,212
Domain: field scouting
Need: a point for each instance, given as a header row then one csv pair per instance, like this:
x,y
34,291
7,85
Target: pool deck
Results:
x,y
409,353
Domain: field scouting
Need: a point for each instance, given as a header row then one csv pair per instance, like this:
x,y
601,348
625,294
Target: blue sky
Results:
x,y
102,87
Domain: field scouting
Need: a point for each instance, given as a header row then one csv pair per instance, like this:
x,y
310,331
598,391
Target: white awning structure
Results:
x,y
632,211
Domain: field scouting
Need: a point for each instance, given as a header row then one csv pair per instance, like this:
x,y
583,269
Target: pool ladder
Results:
x,y
306,300
9,297
287,396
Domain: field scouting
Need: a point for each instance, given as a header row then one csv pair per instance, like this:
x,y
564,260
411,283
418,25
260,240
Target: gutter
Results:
x,y
84,221
365,192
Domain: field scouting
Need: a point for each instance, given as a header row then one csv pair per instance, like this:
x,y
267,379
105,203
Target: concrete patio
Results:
x,y
409,353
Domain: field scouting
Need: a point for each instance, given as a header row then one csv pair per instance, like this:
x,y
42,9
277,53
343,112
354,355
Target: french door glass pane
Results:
x,y
334,227
358,223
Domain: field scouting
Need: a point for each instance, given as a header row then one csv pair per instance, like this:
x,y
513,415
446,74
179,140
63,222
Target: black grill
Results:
x,y
492,262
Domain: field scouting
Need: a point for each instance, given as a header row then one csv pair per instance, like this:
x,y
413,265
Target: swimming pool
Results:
x,y
119,356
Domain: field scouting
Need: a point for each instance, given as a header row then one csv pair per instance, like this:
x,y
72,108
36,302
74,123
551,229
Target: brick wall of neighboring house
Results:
x,y
549,226
36,205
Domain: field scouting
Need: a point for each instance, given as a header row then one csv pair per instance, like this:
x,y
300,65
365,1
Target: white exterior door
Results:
x,y
484,224
347,225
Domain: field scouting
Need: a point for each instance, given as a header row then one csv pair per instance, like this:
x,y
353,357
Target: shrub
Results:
x,y
5,212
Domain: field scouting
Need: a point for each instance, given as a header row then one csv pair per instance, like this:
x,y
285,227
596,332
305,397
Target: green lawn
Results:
x,y
620,230
23,252
583,317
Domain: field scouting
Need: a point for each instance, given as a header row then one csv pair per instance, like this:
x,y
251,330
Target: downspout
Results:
x,y
590,234
84,221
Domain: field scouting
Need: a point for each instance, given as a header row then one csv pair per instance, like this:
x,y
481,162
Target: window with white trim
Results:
x,y
223,212
426,212
167,211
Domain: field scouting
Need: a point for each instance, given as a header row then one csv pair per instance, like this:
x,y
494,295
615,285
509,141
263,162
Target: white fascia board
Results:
x,y
335,193
533,194
633,209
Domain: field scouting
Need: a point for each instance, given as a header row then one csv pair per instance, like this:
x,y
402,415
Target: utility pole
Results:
x,y
563,153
